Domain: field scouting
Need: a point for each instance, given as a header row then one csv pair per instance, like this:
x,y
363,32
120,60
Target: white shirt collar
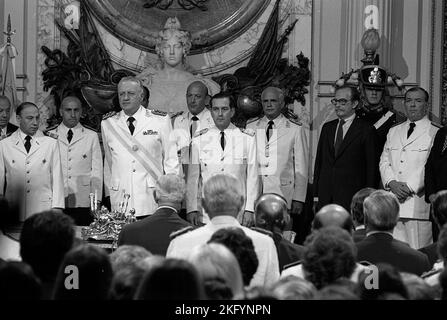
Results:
x,y
419,123
22,135
167,207
349,119
374,232
136,115
224,219
65,129
276,121
201,115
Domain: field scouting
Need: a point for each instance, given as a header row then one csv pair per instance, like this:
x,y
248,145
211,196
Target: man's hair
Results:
x,y
381,210
355,94
242,247
5,98
442,243
222,95
18,282
223,194
23,105
439,207
414,89
170,187
277,90
46,237
127,255
357,204
132,79
294,288
345,224
417,288
329,254
72,98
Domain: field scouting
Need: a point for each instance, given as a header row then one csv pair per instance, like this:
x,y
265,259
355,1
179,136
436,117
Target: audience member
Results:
x,y
173,279
417,288
46,237
223,200
18,282
357,214
215,261
329,254
381,215
271,215
153,231
432,277
294,288
339,290
127,255
88,272
389,281
243,249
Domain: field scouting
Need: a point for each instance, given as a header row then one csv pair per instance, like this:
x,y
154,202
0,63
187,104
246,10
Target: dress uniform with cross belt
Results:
x,y
283,157
138,151
30,169
82,166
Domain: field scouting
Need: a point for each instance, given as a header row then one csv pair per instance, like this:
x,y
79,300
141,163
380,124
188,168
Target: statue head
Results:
x,y
173,44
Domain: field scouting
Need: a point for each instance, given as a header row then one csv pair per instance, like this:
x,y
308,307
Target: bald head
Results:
x,y
271,212
333,215
197,97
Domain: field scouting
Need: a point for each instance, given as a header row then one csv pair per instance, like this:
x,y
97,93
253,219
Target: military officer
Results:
x,y
186,124
81,160
6,128
30,166
223,149
283,151
137,150
402,169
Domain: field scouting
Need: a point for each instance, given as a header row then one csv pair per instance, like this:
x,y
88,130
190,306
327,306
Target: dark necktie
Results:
x,y
445,145
339,137
411,129
69,135
193,127
27,143
222,140
269,130
131,126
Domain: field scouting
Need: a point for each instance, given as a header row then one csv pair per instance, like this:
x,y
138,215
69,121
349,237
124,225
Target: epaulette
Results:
x,y
263,231
159,113
292,117
253,120
50,134
203,131
250,132
177,233
52,127
176,114
295,121
293,264
436,124
108,115
90,128
431,273
397,123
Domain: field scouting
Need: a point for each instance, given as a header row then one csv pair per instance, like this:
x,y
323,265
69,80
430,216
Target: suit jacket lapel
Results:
x,y
331,136
350,135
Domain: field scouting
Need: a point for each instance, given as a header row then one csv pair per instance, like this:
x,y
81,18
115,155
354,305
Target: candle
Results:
x,y
96,199
91,202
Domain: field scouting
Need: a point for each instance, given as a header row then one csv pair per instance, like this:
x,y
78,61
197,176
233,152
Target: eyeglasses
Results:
x,y
341,102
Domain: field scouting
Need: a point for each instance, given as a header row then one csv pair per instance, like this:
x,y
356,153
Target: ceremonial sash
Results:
x,y
138,151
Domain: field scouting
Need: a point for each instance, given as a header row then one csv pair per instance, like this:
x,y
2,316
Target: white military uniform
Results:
x,y
133,163
33,180
81,164
238,159
268,268
404,160
283,160
181,132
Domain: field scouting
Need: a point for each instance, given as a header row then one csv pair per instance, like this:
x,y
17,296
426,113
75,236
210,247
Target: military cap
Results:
x,y
373,76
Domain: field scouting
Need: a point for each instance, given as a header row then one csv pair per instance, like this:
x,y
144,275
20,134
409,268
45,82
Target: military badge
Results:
x,y
135,148
44,161
149,132
84,156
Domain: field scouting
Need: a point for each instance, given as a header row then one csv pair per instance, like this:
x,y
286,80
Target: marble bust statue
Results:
x,y
168,81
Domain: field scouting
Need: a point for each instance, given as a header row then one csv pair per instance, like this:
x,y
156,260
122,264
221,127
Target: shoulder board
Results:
x,y
293,264
397,123
177,233
295,121
253,120
436,125
108,115
203,131
431,273
52,127
90,128
250,132
50,134
175,115
159,113
263,231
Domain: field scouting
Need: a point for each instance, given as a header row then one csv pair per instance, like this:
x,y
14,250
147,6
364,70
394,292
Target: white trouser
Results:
x,y
417,233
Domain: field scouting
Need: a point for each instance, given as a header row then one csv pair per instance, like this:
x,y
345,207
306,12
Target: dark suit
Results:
x,y
338,177
10,128
431,251
153,232
359,235
288,252
382,247
436,166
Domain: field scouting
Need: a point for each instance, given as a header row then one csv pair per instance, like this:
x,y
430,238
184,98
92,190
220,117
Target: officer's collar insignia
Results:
x,y
44,161
50,134
84,156
108,115
250,132
159,113
149,132
203,131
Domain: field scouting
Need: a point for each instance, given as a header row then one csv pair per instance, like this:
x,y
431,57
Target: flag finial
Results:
x,y
8,32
